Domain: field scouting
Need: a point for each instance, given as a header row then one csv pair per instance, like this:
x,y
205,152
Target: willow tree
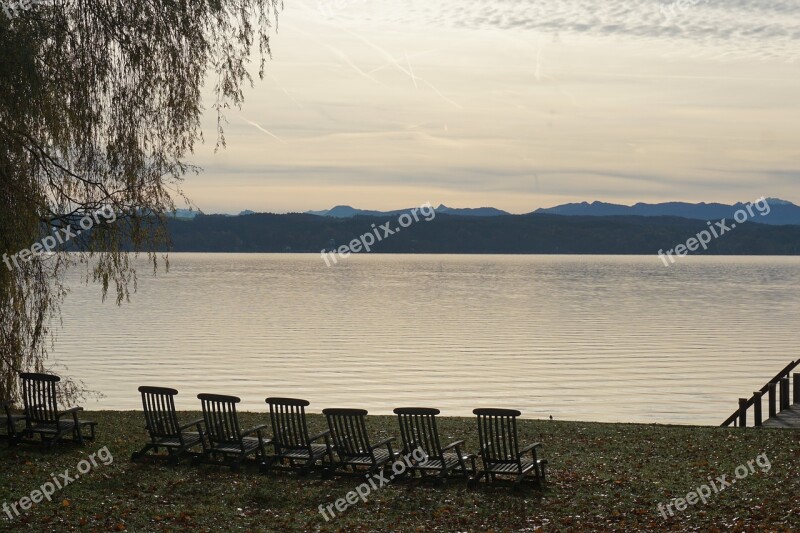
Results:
x,y
100,105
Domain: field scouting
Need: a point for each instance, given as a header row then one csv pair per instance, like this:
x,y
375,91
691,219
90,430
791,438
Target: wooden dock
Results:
x,y
787,419
782,395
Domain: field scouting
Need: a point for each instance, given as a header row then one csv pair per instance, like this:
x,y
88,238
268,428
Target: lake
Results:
x,y
596,338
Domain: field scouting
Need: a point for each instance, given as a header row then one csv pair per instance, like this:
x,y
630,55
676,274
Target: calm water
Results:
x,y
579,338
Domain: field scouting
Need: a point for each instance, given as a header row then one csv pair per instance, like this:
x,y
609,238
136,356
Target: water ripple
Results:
x,y
598,338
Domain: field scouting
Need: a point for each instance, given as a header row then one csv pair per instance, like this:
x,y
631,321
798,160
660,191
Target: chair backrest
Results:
x,y
288,417
221,421
418,430
40,397
348,431
159,411
497,431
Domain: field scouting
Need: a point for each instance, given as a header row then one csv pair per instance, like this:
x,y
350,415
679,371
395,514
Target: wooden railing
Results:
x,y
777,391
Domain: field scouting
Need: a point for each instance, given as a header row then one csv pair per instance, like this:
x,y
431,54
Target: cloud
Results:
x,y
745,27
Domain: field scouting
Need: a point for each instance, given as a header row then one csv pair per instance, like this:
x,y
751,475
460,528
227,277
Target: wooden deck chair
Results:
x,y
293,445
227,443
418,431
42,417
163,427
352,444
500,451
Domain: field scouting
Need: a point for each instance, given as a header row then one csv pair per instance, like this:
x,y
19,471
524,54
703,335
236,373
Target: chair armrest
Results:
x,y
253,430
455,444
531,448
385,442
190,424
74,412
319,435
526,449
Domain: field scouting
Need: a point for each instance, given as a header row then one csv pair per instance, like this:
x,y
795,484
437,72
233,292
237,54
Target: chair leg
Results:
x,y
271,462
465,471
473,481
237,463
261,458
135,456
79,434
444,473
56,438
202,458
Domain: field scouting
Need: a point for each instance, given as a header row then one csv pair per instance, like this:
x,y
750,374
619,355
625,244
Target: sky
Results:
x,y
515,104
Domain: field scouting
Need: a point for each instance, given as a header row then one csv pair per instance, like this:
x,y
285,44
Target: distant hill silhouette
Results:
x,y
345,211
782,212
508,234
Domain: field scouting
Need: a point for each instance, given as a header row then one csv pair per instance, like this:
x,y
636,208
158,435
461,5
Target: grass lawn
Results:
x,y
603,477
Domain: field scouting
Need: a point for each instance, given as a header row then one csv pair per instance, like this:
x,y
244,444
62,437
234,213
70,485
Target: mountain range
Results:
x,y
781,212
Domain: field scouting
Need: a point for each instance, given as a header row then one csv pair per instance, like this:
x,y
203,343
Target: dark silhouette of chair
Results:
x,y
500,451
290,436
352,445
225,437
164,428
418,431
42,417
10,424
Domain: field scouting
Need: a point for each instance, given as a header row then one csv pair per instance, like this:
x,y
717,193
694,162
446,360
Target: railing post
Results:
x,y
772,410
742,412
757,408
784,393
797,387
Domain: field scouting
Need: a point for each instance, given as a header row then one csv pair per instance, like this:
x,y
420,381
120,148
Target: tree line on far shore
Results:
x,y
513,234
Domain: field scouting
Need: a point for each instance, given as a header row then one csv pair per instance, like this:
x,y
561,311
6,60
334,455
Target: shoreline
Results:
x,y
194,413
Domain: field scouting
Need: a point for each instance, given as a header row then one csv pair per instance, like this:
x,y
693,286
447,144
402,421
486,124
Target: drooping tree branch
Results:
x,y
100,104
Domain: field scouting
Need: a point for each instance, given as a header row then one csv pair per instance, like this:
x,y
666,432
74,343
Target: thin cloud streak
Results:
x,y
263,129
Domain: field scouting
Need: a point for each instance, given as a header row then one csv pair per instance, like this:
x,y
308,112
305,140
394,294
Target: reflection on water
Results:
x,y
579,338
